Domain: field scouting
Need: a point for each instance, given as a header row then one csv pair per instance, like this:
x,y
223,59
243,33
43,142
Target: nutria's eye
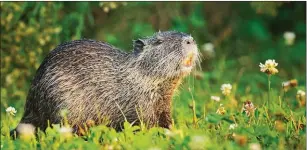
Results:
x,y
190,41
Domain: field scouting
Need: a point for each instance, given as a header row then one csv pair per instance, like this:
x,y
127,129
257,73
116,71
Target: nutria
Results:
x,y
93,80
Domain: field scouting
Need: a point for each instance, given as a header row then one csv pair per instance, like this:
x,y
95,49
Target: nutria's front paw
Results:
x,y
165,120
170,126
166,125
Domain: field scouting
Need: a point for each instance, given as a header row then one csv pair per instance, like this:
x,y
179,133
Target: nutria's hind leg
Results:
x,y
82,129
165,120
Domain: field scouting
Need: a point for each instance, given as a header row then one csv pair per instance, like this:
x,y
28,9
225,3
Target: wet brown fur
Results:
x,y
95,81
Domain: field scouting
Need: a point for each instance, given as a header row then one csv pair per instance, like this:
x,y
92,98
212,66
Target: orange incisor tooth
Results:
x,y
188,60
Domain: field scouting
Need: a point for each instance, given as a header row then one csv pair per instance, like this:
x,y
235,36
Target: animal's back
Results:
x,y
73,77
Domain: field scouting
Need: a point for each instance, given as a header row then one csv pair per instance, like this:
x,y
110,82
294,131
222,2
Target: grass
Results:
x,y
197,125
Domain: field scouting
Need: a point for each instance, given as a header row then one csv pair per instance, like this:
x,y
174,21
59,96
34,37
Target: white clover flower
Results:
x,y
232,126
173,133
289,37
254,146
249,108
115,139
11,111
106,9
169,133
113,5
198,139
65,130
215,98
221,110
269,67
154,148
208,49
226,89
287,84
198,142
109,147
25,129
301,93
301,96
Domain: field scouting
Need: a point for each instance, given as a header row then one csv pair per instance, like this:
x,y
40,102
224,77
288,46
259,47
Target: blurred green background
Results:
x,y
243,34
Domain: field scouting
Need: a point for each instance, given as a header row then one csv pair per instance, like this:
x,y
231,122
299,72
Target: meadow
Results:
x,y
249,92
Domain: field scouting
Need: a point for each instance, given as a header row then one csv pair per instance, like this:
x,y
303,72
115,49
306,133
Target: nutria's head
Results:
x,y
166,54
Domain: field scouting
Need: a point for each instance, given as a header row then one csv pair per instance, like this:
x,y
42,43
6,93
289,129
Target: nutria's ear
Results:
x,y
138,46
